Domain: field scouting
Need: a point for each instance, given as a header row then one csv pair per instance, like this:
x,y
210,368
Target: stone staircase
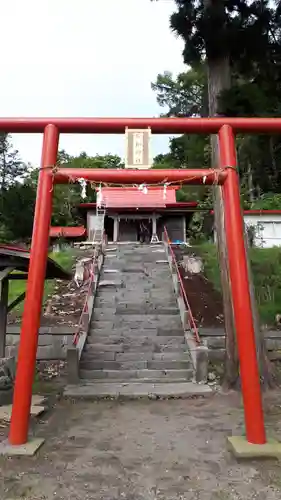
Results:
x,y
136,344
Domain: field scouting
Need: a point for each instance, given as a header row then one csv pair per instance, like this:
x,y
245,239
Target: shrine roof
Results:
x,y
17,258
67,232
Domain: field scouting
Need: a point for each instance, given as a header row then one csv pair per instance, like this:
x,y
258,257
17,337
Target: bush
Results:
x,y
266,270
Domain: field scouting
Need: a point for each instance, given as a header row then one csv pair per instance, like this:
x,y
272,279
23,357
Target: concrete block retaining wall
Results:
x,y
53,342
215,340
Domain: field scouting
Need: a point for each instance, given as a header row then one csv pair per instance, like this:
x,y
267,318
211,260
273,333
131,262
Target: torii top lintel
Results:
x,y
157,125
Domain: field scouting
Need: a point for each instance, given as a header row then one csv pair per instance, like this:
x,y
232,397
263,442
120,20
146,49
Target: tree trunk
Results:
x,y
218,80
250,183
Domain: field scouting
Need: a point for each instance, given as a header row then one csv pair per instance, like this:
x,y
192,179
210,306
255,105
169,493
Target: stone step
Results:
x,y
170,332
112,304
145,319
171,355
110,284
133,270
104,348
169,365
104,314
109,313
138,340
95,331
116,327
144,374
144,286
104,302
154,304
93,355
121,333
112,365
136,390
162,365
147,310
129,348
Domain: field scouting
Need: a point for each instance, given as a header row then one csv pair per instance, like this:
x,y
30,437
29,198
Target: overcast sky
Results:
x,y
84,58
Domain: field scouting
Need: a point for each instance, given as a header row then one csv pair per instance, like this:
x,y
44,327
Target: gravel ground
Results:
x,y
141,450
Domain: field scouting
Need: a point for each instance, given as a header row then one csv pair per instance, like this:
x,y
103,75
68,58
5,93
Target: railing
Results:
x,y
91,279
182,292
89,274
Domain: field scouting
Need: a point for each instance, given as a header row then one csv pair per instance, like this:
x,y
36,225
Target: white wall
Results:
x,y
267,229
93,224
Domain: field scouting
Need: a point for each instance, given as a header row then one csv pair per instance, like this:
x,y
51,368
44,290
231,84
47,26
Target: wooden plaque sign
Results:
x,y
137,148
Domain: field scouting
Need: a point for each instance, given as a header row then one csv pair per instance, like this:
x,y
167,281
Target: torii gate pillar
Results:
x,y
34,294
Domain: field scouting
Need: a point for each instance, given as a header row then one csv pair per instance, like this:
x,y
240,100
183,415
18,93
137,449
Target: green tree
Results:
x,y
18,198
184,95
11,166
12,170
234,38
67,197
268,201
18,202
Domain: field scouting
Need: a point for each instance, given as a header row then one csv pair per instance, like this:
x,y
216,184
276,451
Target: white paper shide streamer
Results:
x,y
99,196
143,188
83,184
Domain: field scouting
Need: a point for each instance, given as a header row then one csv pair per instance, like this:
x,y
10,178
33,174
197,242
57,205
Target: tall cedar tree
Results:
x,y
232,38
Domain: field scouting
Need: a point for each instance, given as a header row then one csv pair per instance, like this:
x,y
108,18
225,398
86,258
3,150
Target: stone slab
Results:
x,y
133,356
241,448
113,365
108,283
98,356
28,449
6,412
132,270
103,348
146,310
6,397
51,330
36,408
144,374
131,390
38,400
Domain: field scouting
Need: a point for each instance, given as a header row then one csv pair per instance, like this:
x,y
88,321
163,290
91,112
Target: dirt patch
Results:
x,y
65,305
158,450
205,302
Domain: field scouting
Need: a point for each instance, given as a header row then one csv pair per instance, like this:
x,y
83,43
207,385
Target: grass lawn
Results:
x,y
266,270
64,259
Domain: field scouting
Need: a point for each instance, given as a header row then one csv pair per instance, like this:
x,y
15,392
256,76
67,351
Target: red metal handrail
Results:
x,y
191,319
85,307
89,291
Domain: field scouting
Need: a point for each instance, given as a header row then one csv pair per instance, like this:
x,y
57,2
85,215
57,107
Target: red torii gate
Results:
x,y
225,175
